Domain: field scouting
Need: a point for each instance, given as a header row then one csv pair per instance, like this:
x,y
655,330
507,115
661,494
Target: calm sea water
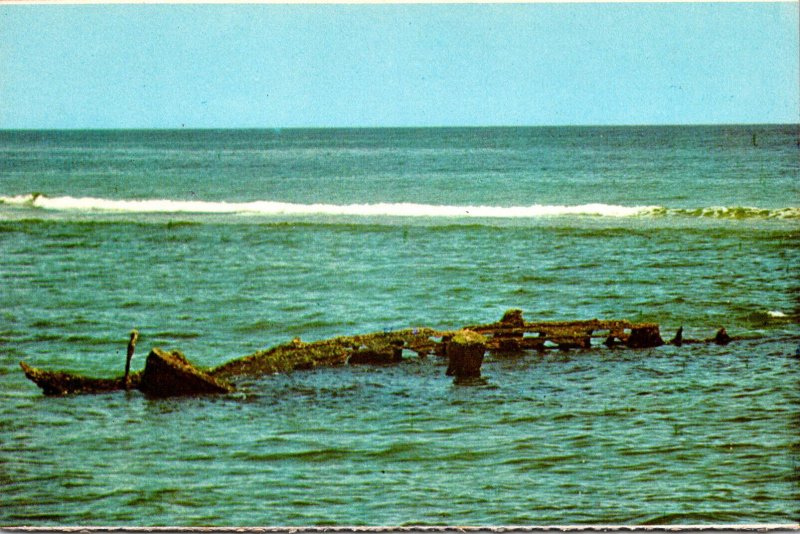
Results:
x,y
221,243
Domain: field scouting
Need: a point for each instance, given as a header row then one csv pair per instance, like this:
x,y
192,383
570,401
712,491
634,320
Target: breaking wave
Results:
x,y
402,209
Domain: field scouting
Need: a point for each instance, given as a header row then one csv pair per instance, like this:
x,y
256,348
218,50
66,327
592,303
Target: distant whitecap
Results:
x,y
389,209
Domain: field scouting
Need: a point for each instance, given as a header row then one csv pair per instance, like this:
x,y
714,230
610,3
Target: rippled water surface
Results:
x,y
691,227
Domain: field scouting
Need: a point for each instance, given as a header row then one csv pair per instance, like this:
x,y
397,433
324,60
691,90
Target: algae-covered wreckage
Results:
x,y
169,374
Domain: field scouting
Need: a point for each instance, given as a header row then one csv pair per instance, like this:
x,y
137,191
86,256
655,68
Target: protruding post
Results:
x,y
513,318
131,348
722,337
465,352
510,342
644,336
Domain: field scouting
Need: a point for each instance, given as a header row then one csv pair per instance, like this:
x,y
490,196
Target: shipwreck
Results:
x,y
168,374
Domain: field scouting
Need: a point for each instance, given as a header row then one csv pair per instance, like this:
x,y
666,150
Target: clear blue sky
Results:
x,y
128,66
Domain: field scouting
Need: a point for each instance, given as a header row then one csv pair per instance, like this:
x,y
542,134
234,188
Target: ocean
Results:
x,y
220,243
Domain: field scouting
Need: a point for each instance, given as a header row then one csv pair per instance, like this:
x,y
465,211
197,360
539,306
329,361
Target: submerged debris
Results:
x,y
171,374
376,348
61,383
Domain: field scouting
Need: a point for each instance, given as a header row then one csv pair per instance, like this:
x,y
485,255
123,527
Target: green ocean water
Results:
x,y
221,243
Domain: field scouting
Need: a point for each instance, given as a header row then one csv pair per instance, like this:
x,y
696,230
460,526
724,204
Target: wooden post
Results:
x,y
644,336
510,342
465,352
722,337
131,348
513,318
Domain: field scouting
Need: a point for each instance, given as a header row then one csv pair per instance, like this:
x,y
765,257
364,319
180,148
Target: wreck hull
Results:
x,y
54,383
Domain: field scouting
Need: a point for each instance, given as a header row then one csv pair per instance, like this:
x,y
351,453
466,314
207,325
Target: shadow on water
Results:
x,y
473,381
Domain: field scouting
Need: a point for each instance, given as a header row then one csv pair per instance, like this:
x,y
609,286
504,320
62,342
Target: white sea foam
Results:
x,y
402,209
737,212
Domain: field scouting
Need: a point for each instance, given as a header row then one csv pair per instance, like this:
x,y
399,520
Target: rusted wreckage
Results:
x,y
171,374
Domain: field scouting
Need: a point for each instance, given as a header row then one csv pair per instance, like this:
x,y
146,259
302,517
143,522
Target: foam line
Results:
x,y
403,209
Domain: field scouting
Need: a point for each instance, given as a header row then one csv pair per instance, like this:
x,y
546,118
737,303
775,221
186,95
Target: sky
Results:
x,y
273,66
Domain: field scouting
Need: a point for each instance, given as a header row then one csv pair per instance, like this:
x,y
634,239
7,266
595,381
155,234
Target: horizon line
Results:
x,y
389,127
